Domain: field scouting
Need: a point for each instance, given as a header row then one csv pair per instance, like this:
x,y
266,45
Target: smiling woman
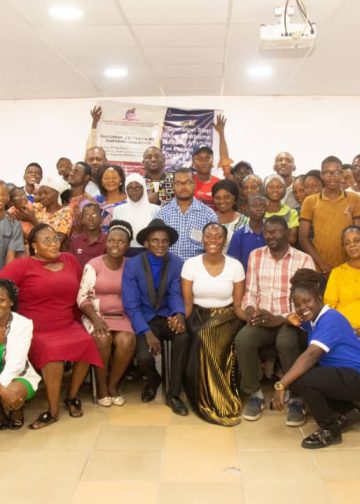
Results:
x,y
342,288
213,286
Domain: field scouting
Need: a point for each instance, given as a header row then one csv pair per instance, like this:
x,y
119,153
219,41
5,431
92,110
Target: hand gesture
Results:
x,y
176,323
96,115
294,319
101,329
277,402
220,124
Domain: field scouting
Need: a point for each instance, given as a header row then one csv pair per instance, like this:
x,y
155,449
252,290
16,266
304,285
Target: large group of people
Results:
x,y
247,278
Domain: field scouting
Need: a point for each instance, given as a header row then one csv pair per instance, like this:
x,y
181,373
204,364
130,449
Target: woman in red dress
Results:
x,y
48,284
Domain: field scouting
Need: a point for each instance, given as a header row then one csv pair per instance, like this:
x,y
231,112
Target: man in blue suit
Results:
x,y
152,299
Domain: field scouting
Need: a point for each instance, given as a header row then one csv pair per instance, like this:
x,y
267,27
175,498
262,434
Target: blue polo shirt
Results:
x,y
243,242
332,332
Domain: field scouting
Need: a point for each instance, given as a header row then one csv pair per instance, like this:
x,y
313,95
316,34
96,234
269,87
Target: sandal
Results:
x,y
15,419
74,407
43,420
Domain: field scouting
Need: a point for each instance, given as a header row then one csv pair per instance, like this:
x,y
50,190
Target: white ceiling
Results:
x,y
186,47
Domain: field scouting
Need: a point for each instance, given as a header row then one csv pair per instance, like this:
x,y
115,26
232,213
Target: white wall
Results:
x,y
258,127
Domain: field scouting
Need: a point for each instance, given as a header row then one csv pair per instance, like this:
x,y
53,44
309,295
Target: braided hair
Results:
x,y
306,279
12,291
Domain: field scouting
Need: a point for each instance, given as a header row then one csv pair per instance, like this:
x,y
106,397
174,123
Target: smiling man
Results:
x,y
153,302
285,166
266,306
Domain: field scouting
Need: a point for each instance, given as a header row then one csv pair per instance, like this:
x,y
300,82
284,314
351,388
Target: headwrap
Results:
x,y
57,183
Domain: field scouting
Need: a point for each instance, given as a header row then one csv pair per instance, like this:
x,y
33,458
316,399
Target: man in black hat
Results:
x,y
152,300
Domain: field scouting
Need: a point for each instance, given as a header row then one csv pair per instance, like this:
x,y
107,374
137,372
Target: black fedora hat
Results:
x,y
157,225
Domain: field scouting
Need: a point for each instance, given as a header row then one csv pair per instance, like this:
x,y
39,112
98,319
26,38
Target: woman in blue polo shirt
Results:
x,y
327,374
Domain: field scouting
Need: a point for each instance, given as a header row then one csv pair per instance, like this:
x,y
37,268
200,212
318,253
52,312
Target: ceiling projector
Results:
x,y
274,37
287,34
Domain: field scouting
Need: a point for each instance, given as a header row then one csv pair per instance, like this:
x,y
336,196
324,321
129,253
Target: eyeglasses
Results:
x,y
49,241
332,173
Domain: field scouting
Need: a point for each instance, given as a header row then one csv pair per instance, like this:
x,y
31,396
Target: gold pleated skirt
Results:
x,y
212,374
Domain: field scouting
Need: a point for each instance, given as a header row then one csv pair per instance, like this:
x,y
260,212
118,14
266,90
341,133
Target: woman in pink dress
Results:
x,y
100,300
48,283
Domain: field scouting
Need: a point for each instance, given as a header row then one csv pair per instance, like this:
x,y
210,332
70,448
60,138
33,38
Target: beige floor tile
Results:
x,y
141,414
343,492
136,438
68,433
276,465
286,492
338,464
267,435
42,477
122,465
199,453
200,493
48,465
37,491
126,492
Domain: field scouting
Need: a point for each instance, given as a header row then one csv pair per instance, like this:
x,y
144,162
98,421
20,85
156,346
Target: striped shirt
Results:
x,y
189,225
268,279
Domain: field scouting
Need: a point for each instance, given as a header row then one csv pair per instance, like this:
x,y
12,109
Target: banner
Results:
x,y
126,130
183,129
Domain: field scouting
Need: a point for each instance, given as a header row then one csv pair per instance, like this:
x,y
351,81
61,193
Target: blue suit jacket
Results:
x,y
135,295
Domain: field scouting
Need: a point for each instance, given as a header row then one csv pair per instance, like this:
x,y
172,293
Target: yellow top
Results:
x,y
343,292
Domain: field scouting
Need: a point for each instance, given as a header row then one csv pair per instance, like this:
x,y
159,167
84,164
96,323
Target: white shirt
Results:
x,y
212,291
17,348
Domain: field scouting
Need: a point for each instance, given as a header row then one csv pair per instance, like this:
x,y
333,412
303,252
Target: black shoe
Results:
x,y
347,420
149,391
176,404
322,438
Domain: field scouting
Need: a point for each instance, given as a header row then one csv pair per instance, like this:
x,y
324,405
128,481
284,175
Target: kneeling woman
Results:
x,y
18,379
213,286
100,300
327,374
48,283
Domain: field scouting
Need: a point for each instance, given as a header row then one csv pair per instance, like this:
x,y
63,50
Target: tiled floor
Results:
x,y
143,453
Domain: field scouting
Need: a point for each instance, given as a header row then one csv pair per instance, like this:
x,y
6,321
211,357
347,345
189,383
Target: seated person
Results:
x,y
91,241
100,301
327,374
18,379
11,237
266,306
112,187
137,210
153,302
250,236
275,189
48,283
342,288
213,286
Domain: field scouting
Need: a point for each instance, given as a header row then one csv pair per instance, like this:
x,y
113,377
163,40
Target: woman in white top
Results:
x,y
213,287
137,210
18,379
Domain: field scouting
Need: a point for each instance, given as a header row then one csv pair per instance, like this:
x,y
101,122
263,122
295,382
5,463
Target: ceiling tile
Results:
x,y
188,70
189,55
165,12
180,35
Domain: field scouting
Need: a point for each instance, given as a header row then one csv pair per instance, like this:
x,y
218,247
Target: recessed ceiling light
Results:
x,y
116,72
259,71
65,12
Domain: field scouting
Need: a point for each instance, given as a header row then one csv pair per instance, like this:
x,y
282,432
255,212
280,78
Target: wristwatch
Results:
x,y
279,386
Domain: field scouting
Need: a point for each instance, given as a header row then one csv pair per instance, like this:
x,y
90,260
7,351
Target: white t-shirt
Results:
x,y
210,291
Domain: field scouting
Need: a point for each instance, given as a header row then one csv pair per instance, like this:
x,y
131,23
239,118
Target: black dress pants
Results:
x,y
328,391
179,353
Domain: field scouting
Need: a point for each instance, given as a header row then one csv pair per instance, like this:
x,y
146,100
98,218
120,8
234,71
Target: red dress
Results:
x,y
49,299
